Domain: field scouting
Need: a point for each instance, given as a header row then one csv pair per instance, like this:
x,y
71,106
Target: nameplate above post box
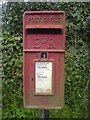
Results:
x,y
44,59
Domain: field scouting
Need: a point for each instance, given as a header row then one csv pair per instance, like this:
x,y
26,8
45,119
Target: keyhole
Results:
x,y
43,55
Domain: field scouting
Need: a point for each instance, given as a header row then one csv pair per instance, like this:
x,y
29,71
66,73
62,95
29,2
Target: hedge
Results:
x,y
76,60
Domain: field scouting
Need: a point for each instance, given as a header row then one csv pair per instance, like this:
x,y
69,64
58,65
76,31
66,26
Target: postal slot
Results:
x,y
44,31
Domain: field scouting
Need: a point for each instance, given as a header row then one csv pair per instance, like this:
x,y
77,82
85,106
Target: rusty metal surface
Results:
x,y
37,38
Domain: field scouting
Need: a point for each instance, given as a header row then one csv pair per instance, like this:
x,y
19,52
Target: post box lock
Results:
x,y
43,59
43,54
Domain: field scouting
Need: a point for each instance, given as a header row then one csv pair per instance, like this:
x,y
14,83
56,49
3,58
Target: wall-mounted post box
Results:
x,y
43,59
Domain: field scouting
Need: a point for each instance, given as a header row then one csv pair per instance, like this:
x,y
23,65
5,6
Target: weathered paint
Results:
x,y
44,31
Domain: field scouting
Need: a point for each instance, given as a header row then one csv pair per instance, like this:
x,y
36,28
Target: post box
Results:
x,y
43,59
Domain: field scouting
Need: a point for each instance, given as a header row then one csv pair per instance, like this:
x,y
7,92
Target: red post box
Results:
x,y
43,59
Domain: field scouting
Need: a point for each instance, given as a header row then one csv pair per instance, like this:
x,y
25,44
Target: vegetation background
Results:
x,y
76,62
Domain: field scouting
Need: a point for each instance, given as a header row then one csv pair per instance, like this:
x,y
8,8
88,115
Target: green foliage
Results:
x,y
76,64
